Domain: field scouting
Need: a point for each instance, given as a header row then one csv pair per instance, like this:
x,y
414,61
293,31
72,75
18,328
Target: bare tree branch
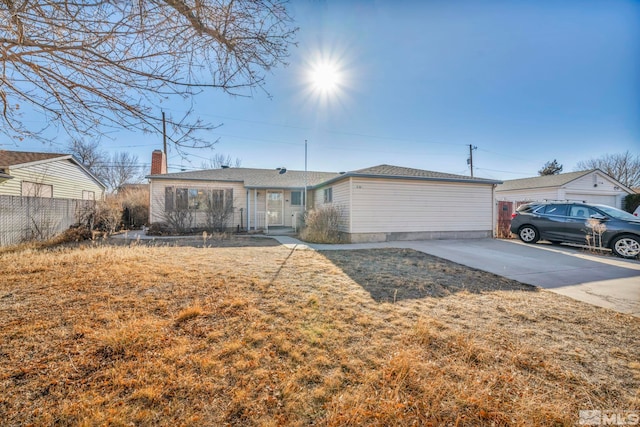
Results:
x,y
624,167
88,66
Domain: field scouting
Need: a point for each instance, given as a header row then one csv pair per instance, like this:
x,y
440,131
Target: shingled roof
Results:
x,y
13,158
542,181
390,171
254,178
273,178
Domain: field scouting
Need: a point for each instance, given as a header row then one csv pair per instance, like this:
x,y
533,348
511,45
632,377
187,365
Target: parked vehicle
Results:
x,y
637,211
581,223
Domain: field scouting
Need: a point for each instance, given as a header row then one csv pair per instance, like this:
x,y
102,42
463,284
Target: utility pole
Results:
x,y
304,204
470,159
164,142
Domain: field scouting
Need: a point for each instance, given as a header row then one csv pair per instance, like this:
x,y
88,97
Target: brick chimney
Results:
x,y
158,162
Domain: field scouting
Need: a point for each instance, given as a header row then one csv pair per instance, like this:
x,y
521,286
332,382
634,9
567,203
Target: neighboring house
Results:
x,y
380,203
591,186
47,175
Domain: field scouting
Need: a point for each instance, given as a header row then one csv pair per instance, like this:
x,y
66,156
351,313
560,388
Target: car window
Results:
x,y
578,211
527,208
555,210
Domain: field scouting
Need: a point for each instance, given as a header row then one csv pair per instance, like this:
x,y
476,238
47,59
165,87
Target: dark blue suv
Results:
x,y
581,223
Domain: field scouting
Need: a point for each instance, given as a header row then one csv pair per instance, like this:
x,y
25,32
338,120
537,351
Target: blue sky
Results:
x,y
523,81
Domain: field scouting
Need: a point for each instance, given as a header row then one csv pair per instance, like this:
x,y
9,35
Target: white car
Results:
x,y
637,211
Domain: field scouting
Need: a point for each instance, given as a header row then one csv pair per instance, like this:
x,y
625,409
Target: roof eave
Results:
x,y
411,178
173,178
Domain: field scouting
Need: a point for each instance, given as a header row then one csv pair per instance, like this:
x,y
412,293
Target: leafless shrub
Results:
x,y
595,230
322,225
179,220
218,211
108,214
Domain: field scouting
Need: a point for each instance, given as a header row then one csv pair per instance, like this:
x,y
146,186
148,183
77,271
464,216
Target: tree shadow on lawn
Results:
x,y
391,275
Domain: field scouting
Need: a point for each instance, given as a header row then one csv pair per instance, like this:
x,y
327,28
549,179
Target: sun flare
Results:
x,y
325,77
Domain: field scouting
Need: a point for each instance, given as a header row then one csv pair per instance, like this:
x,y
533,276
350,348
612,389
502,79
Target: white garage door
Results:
x,y
591,198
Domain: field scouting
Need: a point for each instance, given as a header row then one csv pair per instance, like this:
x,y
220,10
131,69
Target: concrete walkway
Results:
x,y
601,280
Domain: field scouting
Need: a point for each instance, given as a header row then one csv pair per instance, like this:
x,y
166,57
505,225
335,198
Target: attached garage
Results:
x,y
385,203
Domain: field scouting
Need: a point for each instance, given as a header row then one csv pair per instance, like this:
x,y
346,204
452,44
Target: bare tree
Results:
x,y
123,168
219,209
89,154
89,66
624,167
550,168
220,160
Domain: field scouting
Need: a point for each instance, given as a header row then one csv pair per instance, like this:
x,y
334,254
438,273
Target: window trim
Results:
x,y
328,195
300,195
37,188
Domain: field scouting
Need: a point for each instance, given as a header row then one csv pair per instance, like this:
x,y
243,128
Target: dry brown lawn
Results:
x,y
263,335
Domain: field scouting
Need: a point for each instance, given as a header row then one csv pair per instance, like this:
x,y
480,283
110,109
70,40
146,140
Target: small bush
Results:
x,y
322,225
159,229
631,202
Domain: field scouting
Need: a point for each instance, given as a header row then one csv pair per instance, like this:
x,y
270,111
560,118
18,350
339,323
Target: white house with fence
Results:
x,y
42,194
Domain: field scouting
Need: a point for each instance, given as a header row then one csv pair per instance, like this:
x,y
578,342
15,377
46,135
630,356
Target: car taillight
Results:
x,y
513,215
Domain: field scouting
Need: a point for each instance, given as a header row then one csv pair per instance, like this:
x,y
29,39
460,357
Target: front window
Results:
x,y
182,198
197,199
328,195
35,189
297,198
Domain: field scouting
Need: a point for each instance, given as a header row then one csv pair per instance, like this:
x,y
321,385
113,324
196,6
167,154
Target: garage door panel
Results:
x,y
593,198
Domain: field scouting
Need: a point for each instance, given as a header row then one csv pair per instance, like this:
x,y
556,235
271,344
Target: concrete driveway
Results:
x,y
601,280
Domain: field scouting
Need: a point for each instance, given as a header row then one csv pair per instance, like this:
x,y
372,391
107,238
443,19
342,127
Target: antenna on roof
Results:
x,y
281,170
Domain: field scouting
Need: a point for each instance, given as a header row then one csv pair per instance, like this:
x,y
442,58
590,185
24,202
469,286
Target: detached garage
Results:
x,y
385,203
591,186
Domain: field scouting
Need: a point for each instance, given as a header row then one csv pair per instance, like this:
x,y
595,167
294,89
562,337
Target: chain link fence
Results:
x,y
36,218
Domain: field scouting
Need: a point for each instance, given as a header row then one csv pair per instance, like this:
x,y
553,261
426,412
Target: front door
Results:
x,y
275,208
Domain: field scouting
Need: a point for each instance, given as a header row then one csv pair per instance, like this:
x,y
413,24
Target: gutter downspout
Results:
x,y
248,212
494,214
255,208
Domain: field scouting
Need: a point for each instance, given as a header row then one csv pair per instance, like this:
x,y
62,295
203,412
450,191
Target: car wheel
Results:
x,y
528,234
626,246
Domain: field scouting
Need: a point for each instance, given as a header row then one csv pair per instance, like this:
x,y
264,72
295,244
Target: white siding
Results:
x,y
592,188
290,210
380,205
157,195
595,188
67,179
549,193
341,192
